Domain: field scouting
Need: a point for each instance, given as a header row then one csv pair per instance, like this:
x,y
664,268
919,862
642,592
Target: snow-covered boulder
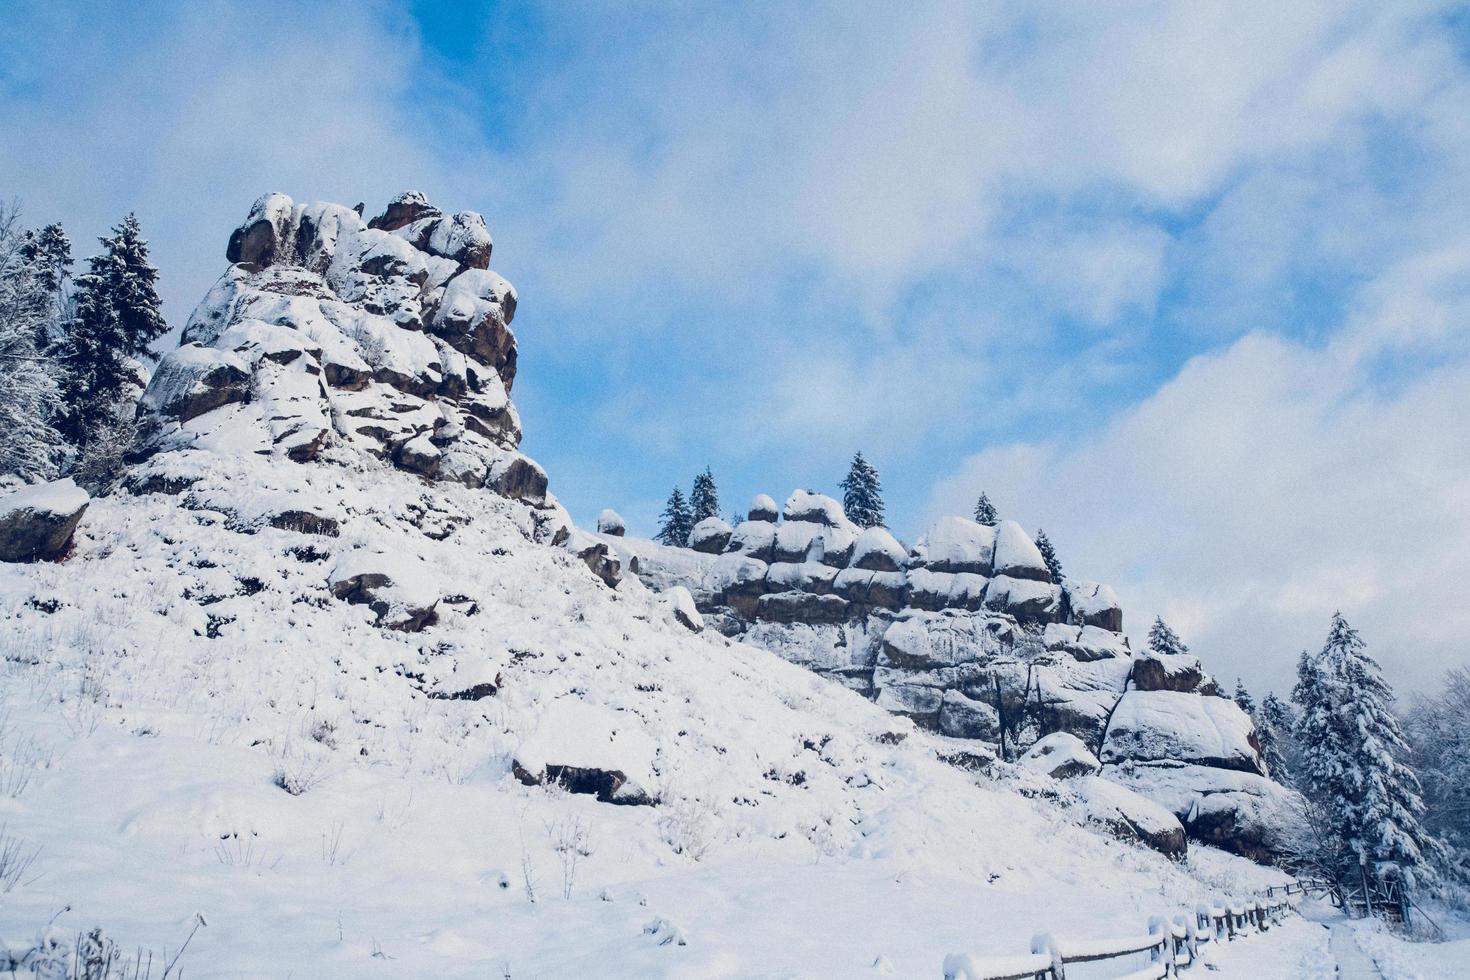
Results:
x,y
803,505
801,607
1131,815
1026,599
961,716
883,590
954,544
588,749
191,380
37,522
1016,555
611,522
1060,755
682,609
1241,812
878,551
1179,672
1094,604
399,592
1155,726
710,536
762,508
753,539
596,555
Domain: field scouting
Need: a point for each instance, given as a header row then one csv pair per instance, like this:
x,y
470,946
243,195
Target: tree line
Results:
x,y
71,349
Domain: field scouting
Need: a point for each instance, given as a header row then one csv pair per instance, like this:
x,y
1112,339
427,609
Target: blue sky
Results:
x,y
1183,285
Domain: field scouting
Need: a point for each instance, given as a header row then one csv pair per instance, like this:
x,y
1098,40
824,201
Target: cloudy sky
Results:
x,y
1188,285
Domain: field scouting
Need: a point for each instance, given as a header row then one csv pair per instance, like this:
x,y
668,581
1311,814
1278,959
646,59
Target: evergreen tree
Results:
x,y
1352,749
1244,699
862,494
1049,555
115,319
49,252
1163,640
28,389
704,499
676,521
1273,730
985,512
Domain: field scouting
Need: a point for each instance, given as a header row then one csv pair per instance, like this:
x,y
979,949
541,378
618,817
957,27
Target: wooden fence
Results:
x,y
1171,945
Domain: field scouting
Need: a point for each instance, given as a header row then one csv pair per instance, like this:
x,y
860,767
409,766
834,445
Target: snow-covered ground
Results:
x,y
167,685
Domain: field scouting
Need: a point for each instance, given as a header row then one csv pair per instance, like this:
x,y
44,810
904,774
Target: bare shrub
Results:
x,y
16,858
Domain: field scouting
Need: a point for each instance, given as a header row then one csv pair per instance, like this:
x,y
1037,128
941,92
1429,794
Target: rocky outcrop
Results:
x,y
335,341
331,335
37,522
966,634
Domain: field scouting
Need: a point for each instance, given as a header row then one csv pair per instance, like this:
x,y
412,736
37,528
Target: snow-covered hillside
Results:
x,y
306,686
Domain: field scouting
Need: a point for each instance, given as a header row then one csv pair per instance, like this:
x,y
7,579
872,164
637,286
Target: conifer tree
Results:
x,y
28,389
49,252
1353,768
116,318
1243,698
1273,730
704,499
676,521
1049,555
862,494
1163,640
985,512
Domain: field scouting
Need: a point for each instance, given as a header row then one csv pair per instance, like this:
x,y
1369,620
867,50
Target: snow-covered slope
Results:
x,y
311,698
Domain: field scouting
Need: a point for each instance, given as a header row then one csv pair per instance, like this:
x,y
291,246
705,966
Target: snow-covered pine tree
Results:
x,y
1049,555
862,494
1273,729
28,389
1243,698
675,522
1438,728
704,499
49,252
115,319
985,512
1352,761
1163,640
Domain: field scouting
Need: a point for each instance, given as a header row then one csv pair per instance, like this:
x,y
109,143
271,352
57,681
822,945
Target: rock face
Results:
x,y
966,634
331,335
37,522
338,341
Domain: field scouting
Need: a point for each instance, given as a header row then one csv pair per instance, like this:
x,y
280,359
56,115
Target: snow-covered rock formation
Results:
x,y
967,634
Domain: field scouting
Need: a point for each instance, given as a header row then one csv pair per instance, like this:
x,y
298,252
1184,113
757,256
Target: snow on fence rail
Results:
x,y
1171,945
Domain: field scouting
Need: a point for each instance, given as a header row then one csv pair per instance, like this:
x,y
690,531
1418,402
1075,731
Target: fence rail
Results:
x,y
1171,944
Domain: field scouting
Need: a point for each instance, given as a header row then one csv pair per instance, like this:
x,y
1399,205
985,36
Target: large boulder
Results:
x,y
1016,555
803,505
710,536
1240,812
1060,755
1093,604
611,522
1131,816
1157,726
762,508
878,551
953,544
37,522
191,380
1178,672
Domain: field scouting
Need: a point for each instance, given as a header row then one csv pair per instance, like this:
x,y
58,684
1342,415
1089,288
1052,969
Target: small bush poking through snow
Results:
x,y
16,858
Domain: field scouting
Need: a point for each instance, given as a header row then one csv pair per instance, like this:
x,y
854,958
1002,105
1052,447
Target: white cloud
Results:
x,y
1272,483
